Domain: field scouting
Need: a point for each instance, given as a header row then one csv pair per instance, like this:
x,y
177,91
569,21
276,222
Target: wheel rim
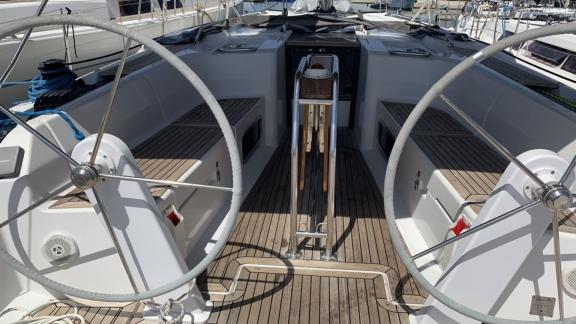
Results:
x,y
212,103
394,158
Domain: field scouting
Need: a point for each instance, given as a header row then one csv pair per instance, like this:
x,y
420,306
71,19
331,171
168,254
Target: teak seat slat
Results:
x,y
172,151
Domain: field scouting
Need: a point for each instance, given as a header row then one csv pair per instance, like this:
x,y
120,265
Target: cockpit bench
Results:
x,y
470,165
171,152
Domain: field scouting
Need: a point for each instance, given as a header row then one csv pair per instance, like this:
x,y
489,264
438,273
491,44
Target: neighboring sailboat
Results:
x,y
555,54
85,49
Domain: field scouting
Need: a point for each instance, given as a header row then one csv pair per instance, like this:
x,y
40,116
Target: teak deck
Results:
x,y
127,314
312,295
251,282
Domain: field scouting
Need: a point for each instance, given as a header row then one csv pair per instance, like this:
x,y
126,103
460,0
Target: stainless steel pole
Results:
x,y
139,9
328,253
292,245
293,241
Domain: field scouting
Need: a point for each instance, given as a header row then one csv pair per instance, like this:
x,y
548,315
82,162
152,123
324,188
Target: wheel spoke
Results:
x,y
115,241
36,204
113,91
39,136
477,228
492,141
165,183
558,263
568,171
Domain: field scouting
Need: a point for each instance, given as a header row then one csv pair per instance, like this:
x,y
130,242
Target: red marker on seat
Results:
x,y
174,218
459,226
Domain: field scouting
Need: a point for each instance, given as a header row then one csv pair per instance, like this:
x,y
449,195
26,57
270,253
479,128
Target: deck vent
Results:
x,y
570,280
59,248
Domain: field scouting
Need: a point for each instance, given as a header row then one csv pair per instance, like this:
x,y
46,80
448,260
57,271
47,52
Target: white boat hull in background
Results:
x,y
89,43
482,29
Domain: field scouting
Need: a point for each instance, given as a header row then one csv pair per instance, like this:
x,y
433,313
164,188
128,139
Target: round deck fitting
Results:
x,y
557,197
328,257
84,176
293,255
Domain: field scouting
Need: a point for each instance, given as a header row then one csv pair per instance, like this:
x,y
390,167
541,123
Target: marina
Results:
x,y
285,162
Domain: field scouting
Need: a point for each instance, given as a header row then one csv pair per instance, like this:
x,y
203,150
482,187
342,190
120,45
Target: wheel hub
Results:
x,y
84,176
557,197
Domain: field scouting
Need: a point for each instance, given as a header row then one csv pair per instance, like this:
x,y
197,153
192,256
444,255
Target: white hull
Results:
x,y
90,43
483,30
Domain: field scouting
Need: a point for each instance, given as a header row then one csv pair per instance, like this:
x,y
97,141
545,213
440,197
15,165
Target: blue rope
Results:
x,y
54,79
4,123
43,82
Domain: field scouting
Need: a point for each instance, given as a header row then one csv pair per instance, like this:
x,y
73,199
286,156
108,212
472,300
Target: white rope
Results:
x,y
28,318
166,314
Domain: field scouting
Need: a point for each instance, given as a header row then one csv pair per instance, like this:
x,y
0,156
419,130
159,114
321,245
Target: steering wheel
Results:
x,y
555,197
85,176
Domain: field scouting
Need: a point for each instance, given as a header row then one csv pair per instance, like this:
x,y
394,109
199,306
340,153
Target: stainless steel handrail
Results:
x,y
328,253
292,245
294,233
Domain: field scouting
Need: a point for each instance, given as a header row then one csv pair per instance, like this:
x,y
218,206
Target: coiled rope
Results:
x,y
48,80
55,79
28,318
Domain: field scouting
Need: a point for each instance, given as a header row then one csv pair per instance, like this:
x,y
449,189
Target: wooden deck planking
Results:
x,y
295,299
262,232
457,157
276,301
314,310
266,307
170,153
96,314
361,235
305,300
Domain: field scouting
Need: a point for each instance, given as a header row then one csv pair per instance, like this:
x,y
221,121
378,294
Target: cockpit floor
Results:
x,y
251,283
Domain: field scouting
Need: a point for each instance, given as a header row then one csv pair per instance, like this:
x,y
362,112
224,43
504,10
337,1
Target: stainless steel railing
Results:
x,y
293,252
328,253
292,245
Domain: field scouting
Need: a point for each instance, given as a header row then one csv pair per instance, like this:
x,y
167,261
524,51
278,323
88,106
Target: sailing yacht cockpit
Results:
x,y
291,167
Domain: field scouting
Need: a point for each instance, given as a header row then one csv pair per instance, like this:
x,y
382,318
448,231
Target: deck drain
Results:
x,y
59,248
570,280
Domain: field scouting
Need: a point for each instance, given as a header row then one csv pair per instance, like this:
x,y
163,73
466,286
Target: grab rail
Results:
x,y
296,102
292,246
328,253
